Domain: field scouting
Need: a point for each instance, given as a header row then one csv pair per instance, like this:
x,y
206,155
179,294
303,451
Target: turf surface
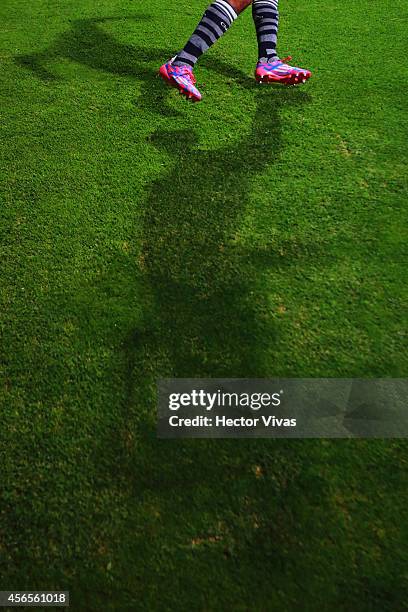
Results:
x,y
260,233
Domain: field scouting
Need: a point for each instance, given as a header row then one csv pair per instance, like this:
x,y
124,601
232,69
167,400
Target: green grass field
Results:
x,y
260,233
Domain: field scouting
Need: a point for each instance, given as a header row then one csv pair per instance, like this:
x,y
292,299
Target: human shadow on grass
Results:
x,y
208,316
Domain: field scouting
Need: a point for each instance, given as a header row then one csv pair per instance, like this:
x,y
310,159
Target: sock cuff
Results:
x,y
226,8
266,3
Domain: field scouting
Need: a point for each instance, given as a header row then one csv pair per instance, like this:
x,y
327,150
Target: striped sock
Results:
x,y
216,20
266,17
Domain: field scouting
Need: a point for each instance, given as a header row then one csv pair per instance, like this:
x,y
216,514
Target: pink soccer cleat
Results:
x,y
279,72
182,78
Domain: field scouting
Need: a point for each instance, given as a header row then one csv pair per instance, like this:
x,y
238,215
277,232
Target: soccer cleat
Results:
x,y
182,78
279,72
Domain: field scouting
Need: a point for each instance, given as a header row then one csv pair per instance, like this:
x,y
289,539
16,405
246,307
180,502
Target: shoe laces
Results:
x,y
279,61
283,62
186,71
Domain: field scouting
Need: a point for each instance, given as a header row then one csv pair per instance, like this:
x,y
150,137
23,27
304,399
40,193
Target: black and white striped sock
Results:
x,y
216,20
266,18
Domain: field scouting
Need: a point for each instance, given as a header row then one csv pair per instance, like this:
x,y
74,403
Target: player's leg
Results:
x,y
217,19
270,69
